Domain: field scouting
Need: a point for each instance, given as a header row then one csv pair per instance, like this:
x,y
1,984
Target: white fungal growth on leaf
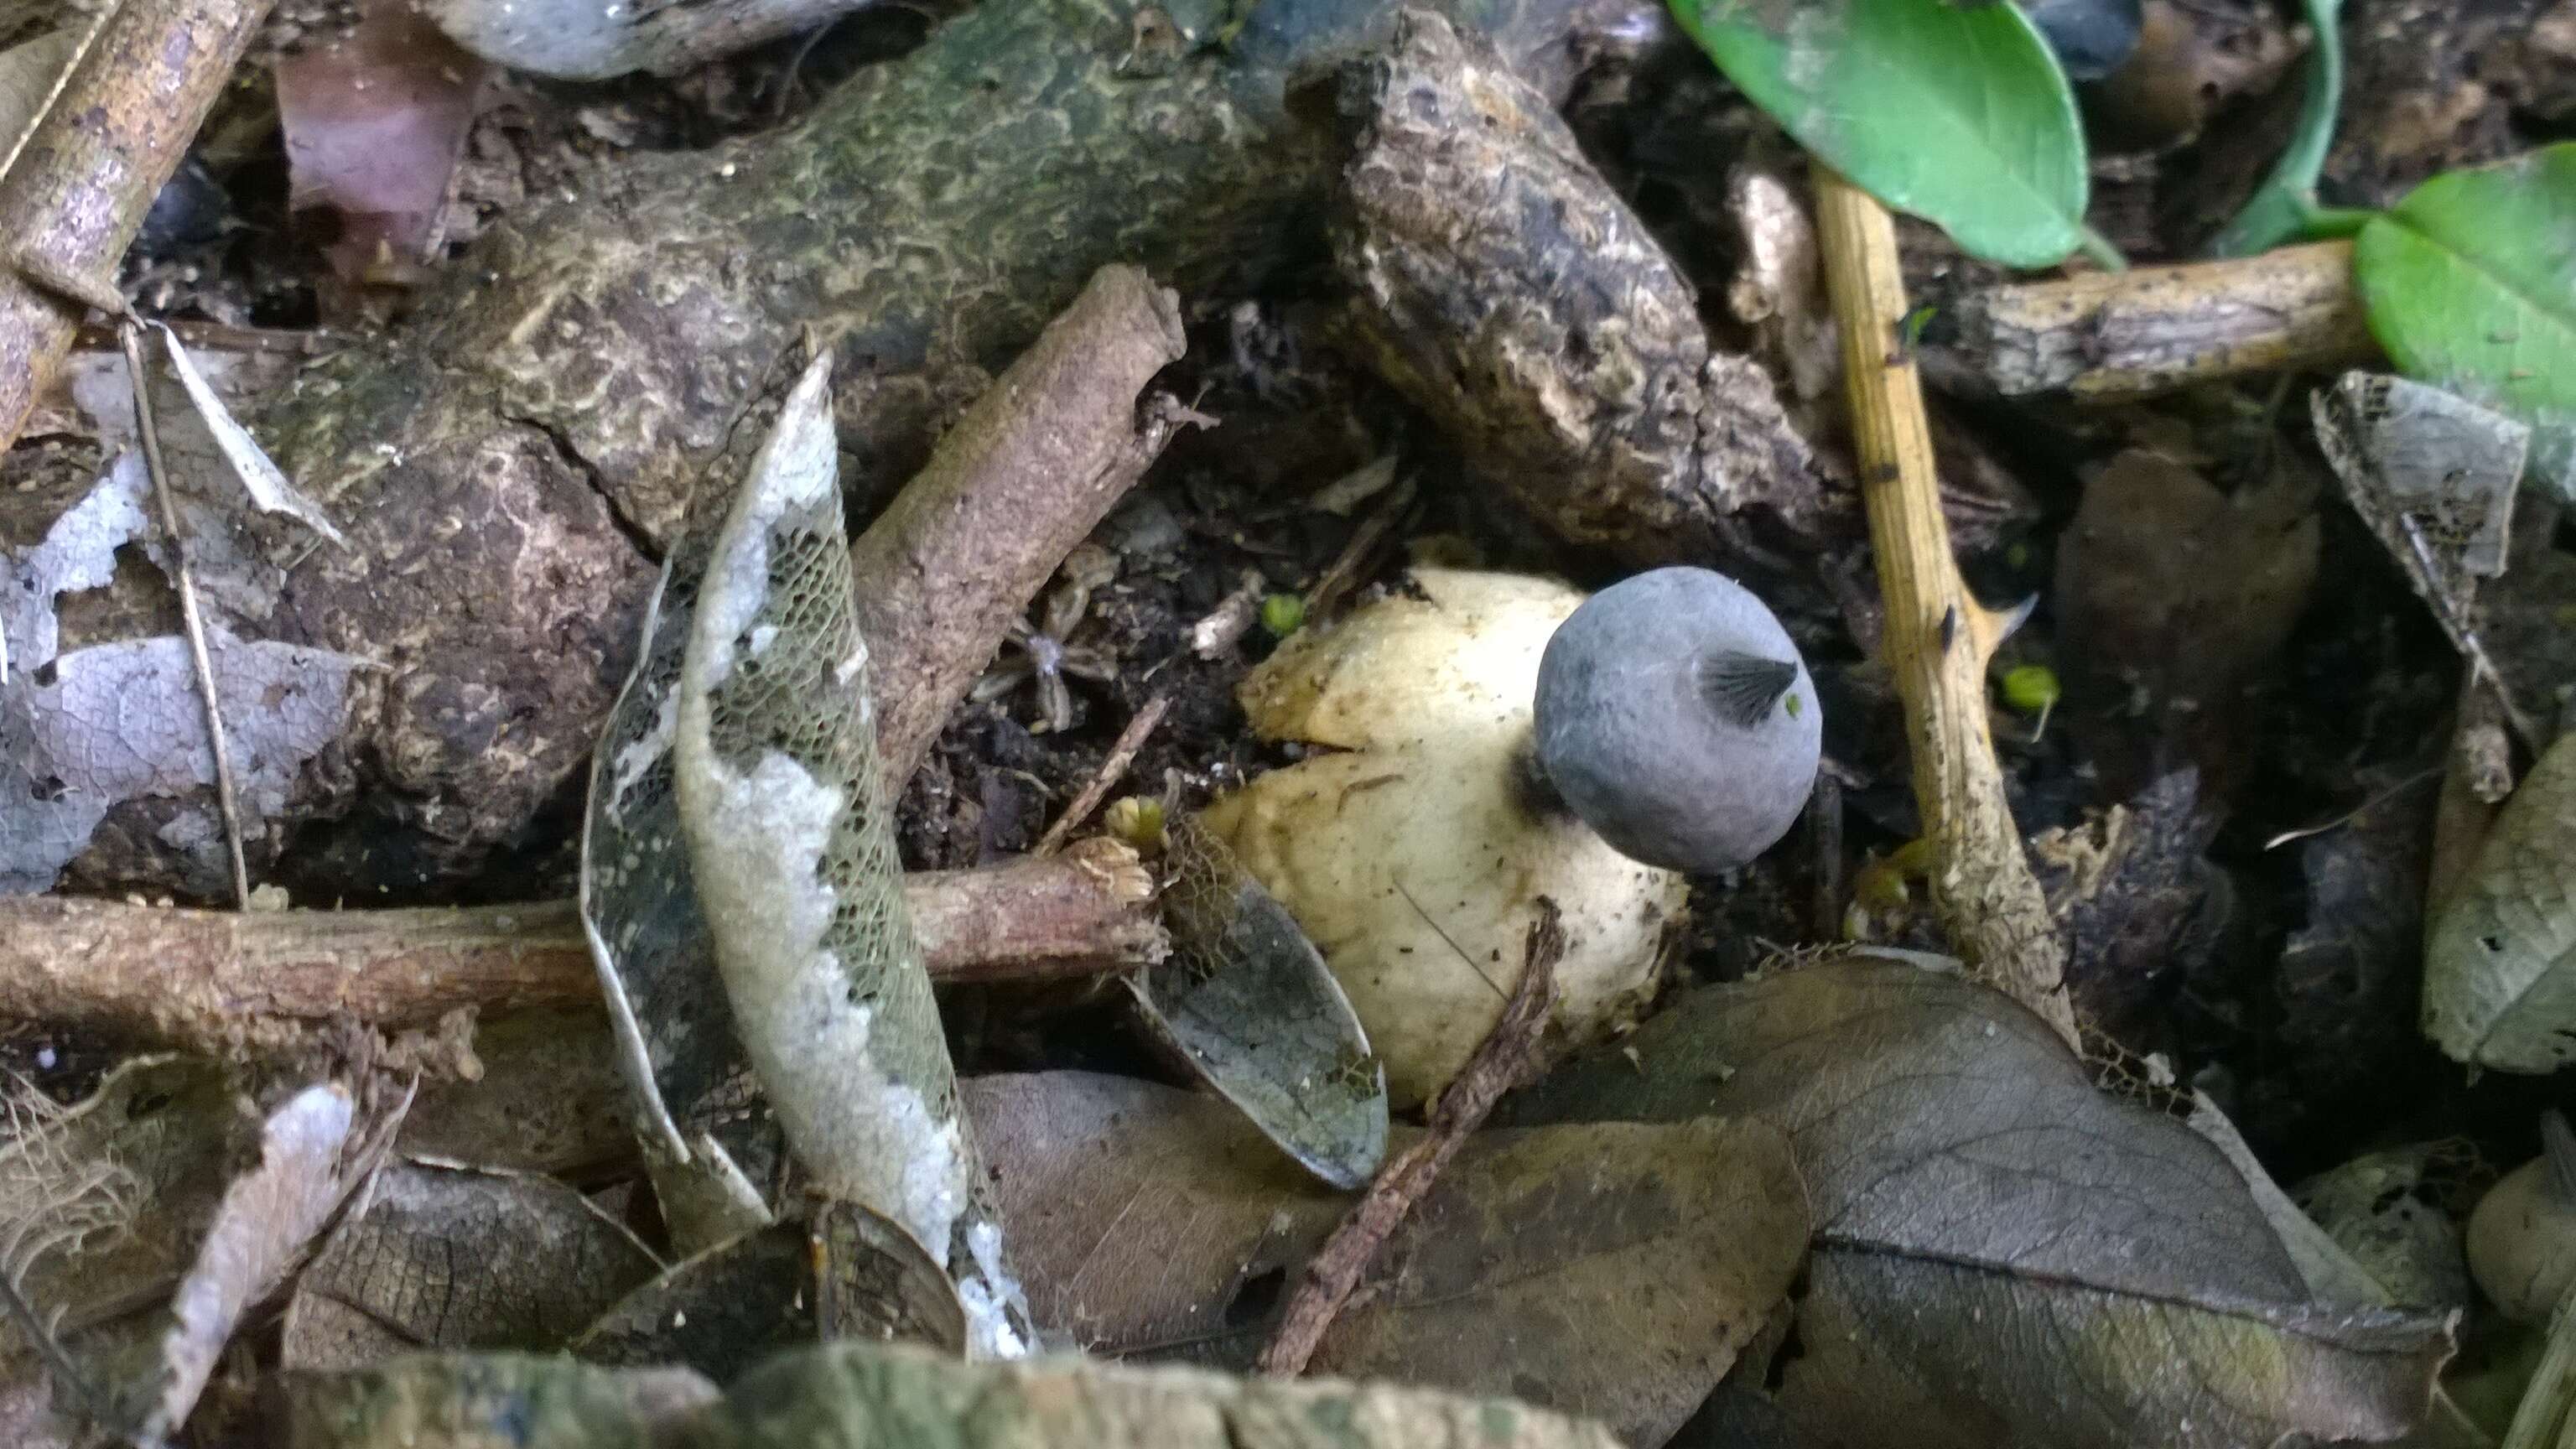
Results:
x,y
792,845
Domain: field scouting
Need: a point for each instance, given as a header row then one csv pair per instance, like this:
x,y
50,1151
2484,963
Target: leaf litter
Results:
x,y
1974,1244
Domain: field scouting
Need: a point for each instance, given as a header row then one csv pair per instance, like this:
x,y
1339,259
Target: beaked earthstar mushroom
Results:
x,y
1414,839
1675,717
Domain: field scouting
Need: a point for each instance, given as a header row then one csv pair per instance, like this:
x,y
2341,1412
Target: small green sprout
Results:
x,y
1911,329
2033,687
1282,613
1137,820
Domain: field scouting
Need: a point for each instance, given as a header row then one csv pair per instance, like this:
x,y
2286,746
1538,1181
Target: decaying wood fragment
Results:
x,y
221,981
1937,638
2106,336
1503,286
76,191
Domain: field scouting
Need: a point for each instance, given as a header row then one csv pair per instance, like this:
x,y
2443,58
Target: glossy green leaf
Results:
x,y
2470,283
1957,114
2284,205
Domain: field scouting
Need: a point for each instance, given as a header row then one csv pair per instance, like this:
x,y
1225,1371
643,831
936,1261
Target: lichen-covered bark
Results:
x,y
843,1396
504,469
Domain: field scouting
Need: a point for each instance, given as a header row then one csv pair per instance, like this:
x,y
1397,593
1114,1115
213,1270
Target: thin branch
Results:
x,y
2112,335
1033,466
1509,1055
192,618
218,980
1938,638
1122,753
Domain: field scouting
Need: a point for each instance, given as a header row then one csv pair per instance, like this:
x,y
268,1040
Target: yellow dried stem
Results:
x,y
1938,638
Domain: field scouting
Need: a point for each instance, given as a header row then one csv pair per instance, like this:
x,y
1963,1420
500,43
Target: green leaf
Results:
x,y
1958,115
2285,205
2470,284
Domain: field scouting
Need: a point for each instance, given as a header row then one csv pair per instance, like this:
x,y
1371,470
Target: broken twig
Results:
x,y
1122,753
79,186
1938,638
1507,1057
218,980
1030,470
2110,335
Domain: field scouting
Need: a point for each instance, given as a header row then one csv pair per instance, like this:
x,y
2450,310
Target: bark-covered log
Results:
x,y
505,467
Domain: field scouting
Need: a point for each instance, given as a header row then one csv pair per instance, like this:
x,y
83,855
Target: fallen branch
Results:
x,y
1508,1057
77,189
217,980
1025,475
1938,639
2105,336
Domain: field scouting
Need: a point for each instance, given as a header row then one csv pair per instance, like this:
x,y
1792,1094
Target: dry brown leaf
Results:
x,y
375,122
2003,1254
456,1258
847,1274
1597,1270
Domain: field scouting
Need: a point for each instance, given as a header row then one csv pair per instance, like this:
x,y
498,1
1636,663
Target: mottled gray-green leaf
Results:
x,y
710,1141
1612,1271
1248,1003
455,1258
2500,957
2003,1254
791,840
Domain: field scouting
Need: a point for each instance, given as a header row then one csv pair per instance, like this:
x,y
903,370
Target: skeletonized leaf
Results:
x,y
125,721
2003,1254
449,1257
708,1134
791,842
2500,958
2433,475
78,553
1248,1003
269,491
1608,1271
